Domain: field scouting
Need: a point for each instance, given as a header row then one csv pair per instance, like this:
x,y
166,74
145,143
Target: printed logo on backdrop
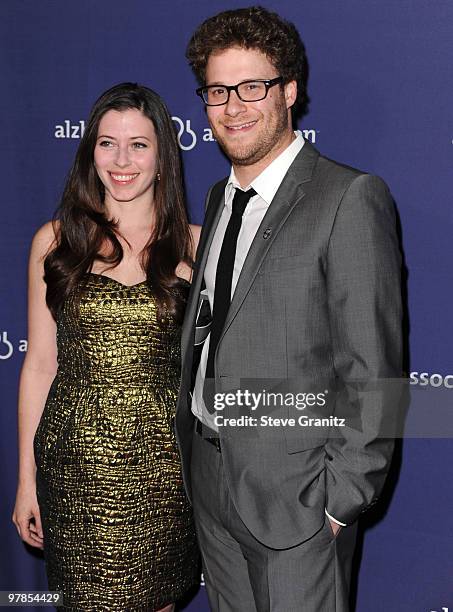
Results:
x,y
7,347
430,413
188,137
69,129
425,379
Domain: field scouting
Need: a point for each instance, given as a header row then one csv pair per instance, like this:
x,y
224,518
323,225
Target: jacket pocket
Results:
x,y
291,262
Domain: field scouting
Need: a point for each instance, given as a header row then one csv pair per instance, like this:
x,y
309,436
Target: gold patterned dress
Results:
x,y
118,531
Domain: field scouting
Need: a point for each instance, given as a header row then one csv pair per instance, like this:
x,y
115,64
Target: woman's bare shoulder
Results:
x,y
45,239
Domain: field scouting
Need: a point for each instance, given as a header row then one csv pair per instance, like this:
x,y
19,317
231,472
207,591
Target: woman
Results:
x,y
108,283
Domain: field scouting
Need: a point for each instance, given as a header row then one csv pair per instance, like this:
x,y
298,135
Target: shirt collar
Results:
x,y
267,183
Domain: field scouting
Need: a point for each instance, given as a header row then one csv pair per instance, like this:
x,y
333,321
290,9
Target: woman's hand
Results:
x,y
26,516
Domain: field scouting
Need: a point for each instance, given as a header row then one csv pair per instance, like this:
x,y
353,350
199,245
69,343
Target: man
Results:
x,y
302,275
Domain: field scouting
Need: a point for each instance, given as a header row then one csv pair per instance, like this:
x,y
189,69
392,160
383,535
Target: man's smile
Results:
x,y
240,127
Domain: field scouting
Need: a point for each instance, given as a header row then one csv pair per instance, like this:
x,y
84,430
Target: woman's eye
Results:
x,y
140,145
105,143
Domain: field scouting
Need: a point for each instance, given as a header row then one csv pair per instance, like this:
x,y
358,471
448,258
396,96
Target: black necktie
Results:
x,y
222,291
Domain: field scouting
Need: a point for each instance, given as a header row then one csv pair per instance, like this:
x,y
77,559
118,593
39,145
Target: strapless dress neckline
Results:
x,y
139,284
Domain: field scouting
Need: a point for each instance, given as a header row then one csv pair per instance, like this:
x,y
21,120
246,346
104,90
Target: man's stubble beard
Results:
x,y
267,139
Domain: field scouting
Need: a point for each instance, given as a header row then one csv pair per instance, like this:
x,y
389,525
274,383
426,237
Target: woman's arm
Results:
x,y
183,270
38,372
195,230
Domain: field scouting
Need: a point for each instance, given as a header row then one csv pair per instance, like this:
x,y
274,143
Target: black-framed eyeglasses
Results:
x,y
248,91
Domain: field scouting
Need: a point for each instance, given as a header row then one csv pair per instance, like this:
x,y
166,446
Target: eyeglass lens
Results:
x,y
250,91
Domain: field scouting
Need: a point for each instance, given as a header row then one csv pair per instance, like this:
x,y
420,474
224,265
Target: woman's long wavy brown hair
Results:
x,y
83,229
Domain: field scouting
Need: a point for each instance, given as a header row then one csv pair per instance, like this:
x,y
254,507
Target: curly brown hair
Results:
x,y
253,28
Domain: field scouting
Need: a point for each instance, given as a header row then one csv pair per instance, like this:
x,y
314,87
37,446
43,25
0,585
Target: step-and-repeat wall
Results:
x,y
381,88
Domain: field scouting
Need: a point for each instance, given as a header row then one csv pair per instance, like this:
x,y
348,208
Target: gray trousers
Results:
x,y
243,575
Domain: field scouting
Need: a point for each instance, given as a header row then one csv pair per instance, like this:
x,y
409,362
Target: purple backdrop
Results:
x,y
381,89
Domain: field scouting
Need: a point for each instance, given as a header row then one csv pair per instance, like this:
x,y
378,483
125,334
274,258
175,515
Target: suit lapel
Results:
x,y
289,195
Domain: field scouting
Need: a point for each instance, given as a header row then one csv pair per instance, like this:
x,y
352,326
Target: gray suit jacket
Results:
x,y
318,298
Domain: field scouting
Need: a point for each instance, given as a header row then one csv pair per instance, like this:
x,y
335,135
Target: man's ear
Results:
x,y
290,90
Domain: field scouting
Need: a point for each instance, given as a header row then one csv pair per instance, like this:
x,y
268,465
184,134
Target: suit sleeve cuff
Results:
x,y
334,519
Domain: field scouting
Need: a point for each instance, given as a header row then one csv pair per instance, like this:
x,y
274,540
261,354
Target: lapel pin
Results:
x,y
267,233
